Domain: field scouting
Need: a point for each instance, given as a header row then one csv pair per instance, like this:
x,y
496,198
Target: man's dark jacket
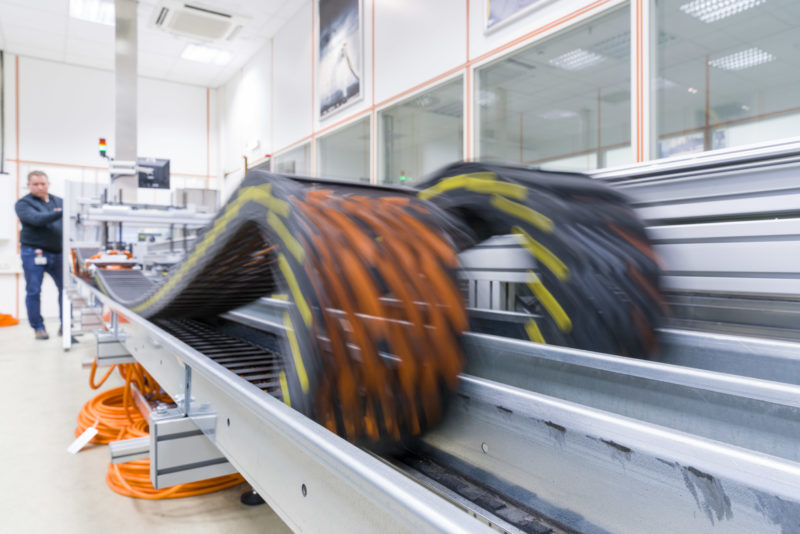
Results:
x,y
41,223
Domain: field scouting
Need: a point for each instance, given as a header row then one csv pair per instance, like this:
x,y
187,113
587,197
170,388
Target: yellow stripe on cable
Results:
x,y
480,182
296,357
543,254
523,213
281,207
299,299
549,302
284,388
534,334
260,194
288,240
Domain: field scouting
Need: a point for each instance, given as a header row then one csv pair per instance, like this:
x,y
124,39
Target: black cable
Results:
x,y
372,346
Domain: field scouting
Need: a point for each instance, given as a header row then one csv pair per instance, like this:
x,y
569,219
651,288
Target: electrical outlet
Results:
x,y
10,265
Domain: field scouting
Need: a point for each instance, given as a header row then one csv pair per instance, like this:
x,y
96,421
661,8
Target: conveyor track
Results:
x,y
369,272
500,509
256,364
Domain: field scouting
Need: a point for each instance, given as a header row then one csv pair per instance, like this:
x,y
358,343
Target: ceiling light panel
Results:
x,y
742,60
619,46
99,11
206,54
710,11
558,114
662,84
577,59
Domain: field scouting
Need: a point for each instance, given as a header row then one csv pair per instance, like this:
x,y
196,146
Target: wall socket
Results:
x,y
10,265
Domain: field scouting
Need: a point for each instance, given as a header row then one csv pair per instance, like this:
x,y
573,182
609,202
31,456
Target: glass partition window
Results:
x,y
421,134
344,153
294,161
728,75
563,102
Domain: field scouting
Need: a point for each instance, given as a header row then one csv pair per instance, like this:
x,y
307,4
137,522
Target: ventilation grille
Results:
x,y
192,20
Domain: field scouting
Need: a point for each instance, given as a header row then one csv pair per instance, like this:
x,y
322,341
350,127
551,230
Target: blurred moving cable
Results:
x,y
597,287
372,347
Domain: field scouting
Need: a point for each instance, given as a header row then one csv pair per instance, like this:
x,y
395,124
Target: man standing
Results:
x,y
40,240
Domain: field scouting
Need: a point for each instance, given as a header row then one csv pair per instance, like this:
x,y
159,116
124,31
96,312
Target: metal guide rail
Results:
x,y
313,479
726,225
593,442
725,436
339,253
702,440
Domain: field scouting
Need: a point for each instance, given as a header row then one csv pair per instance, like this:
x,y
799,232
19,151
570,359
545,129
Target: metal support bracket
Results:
x,y
110,349
180,452
128,450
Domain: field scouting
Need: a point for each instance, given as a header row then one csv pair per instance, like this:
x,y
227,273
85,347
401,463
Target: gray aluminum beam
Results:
x,y
124,188
279,451
598,472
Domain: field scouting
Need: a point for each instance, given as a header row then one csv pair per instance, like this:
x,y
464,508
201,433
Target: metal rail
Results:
x,y
712,425
313,479
599,472
591,459
704,440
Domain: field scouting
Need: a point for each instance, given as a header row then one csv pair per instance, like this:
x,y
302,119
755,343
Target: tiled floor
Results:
x,y
46,489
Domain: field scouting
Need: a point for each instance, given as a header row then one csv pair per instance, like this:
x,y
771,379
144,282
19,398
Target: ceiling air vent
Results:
x,y
196,21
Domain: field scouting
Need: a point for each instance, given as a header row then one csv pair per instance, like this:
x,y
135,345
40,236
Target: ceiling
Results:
x,y
43,29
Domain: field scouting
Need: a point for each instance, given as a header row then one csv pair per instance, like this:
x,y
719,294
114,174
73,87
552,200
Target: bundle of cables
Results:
x,y
597,282
374,319
113,414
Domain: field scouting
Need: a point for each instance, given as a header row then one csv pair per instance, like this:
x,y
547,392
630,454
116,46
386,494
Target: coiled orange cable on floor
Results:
x,y
132,479
115,417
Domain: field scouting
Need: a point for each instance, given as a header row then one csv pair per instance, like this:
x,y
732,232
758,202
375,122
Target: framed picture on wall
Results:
x,y
340,55
501,12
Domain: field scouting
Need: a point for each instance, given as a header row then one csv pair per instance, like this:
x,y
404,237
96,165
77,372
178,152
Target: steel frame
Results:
x,y
312,478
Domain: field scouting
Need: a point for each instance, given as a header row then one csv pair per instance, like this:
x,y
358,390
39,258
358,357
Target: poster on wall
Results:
x,y
340,54
500,12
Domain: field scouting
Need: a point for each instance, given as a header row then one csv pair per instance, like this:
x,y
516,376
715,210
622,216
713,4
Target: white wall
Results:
x,y
63,110
292,95
244,103
764,130
416,43
550,15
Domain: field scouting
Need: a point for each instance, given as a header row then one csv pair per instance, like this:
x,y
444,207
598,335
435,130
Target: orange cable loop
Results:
x,y
110,411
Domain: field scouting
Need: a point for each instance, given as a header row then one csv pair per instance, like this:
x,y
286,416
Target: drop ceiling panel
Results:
x,y
31,18
90,48
80,29
47,31
56,6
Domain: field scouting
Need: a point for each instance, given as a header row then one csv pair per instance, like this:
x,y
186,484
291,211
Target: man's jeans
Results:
x,y
34,275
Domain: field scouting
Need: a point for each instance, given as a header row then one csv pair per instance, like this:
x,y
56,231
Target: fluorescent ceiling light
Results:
x,y
577,59
713,10
557,114
742,60
663,83
619,46
206,54
100,11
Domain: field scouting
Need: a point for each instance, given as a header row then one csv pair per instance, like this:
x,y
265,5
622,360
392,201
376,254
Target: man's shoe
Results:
x,y
42,334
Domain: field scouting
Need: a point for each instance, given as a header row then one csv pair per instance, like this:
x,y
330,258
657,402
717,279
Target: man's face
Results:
x,y
38,186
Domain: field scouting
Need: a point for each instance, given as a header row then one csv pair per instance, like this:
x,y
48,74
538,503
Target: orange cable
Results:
x,y
110,411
